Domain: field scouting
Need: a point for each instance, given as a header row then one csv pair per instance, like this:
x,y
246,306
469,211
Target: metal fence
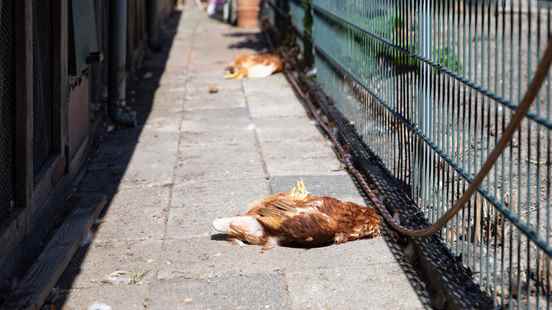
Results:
x,y
430,86
295,16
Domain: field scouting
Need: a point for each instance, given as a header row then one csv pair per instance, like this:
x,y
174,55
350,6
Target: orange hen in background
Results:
x,y
254,66
299,219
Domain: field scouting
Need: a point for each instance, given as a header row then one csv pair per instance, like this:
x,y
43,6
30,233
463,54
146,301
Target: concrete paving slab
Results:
x,y
312,166
169,96
173,78
165,118
152,162
217,67
148,210
145,223
231,137
154,137
225,195
185,223
196,204
93,265
326,185
243,168
120,142
276,97
128,298
198,85
298,158
220,123
214,50
214,53
219,115
214,60
201,100
276,82
263,107
254,291
288,129
153,197
212,154
163,121
200,79
220,162
177,64
182,42
205,258
297,150
219,126
352,288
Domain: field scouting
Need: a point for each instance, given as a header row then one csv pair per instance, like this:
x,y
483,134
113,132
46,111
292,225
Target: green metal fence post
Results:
x,y
308,48
424,103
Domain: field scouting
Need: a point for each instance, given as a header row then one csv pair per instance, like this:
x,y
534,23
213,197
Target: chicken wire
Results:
x,y
7,107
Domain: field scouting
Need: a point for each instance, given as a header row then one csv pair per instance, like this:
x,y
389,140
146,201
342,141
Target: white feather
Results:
x,y
260,71
247,223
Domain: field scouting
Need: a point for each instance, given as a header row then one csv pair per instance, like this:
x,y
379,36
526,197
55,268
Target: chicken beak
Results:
x,y
228,75
230,72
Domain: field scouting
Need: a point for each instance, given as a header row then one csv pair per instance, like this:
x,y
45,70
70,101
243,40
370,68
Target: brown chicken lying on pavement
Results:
x,y
300,219
254,66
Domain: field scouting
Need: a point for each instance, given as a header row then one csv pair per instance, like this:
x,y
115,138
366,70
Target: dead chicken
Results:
x,y
299,219
259,65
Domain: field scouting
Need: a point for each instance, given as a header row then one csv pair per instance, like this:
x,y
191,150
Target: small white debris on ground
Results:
x,y
99,306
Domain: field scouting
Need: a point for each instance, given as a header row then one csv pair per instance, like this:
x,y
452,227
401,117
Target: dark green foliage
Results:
x,y
392,30
448,59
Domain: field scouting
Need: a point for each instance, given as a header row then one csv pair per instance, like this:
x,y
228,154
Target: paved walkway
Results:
x,y
197,156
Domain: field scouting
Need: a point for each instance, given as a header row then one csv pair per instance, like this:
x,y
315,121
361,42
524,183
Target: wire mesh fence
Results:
x,y
7,107
294,16
297,15
430,87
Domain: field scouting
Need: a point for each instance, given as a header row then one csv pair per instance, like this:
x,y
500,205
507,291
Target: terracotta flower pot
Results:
x,y
248,12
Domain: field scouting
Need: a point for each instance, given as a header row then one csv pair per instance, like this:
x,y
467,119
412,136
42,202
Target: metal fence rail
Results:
x,y
430,86
297,15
